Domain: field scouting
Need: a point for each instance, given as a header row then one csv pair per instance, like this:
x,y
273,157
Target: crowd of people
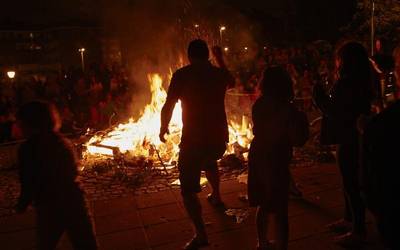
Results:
x,y
102,93
89,99
304,64
348,121
100,96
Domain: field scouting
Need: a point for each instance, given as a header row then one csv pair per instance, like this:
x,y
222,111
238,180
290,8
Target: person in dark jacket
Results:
x,y
350,98
47,170
201,89
278,126
380,179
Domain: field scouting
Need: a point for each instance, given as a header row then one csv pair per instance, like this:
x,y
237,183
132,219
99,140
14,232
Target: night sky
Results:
x,y
313,19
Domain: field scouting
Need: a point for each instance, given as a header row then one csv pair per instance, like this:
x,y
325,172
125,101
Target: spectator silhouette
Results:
x,y
350,98
48,169
380,173
201,89
278,126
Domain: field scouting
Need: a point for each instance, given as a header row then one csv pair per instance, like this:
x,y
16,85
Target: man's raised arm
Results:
x,y
219,58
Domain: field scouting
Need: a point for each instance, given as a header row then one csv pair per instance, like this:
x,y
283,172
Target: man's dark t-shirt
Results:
x,y
201,88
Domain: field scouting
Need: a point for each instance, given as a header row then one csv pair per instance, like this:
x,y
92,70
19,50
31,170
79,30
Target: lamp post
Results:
x,y
221,29
196,26
82,51
372,26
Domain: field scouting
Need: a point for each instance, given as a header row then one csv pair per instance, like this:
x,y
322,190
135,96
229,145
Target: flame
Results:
x,y
140,138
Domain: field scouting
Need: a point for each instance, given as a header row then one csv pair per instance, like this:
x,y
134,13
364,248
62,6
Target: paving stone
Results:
x,y
157,220
17,222
162,214
172,245
117,222
169,232
124,240
114,206
155,199
18,240
308,224
234,239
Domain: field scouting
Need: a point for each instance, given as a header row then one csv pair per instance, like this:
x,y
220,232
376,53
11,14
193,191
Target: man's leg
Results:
x,y
212,175
189,176
262,222
282,230
50,227
348,163
193,208
80,227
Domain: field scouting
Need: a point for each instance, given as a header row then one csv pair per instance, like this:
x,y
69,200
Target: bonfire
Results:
x,y
138,139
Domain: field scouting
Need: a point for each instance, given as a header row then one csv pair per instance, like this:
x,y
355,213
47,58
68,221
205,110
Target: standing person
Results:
x,y
396,57
48,169
380,179
350,98
201,88
278,126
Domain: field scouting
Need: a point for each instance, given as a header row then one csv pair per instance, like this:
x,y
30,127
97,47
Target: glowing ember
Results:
x,y
140,138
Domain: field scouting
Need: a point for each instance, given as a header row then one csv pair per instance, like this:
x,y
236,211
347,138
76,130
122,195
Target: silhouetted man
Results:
x,y
201,88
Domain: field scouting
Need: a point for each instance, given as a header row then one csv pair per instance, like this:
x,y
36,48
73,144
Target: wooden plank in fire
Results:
x,y
115,150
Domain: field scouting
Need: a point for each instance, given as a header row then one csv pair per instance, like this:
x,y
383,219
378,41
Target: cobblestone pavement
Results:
x,y
157,220
109,181
108,184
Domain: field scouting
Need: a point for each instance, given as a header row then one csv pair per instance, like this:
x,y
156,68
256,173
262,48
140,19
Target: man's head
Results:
x,y
198,51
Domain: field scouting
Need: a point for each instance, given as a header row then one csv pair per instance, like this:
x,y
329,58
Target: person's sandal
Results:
x,y
215,203
195,244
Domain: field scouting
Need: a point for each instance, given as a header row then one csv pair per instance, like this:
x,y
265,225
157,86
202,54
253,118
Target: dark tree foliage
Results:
x,y
386,20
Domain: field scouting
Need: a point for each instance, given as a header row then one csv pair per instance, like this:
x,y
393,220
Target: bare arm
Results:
x,y
168,108
219,58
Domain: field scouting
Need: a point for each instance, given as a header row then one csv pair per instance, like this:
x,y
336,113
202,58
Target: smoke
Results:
x,y
154,35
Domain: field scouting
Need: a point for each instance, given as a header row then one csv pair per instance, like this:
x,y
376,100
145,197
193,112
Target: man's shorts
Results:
x,y
192,161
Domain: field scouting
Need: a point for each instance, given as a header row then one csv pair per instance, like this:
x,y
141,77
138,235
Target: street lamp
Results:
x,y
372,26
82,51
11,74
221,29
196,27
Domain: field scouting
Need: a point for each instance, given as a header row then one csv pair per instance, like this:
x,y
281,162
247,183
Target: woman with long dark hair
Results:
x,y
278,126
349,99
